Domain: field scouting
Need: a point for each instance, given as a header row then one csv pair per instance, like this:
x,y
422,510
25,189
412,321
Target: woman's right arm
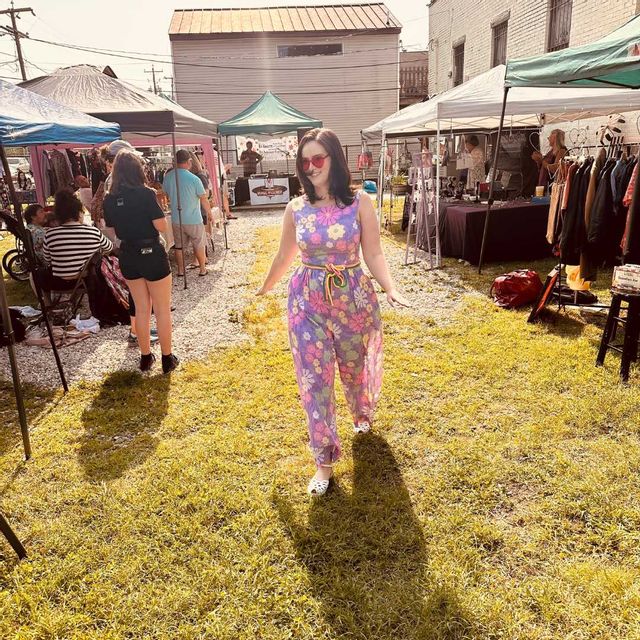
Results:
x,y
286,253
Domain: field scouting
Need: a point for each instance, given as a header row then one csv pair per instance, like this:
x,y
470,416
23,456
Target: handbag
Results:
x,y
516,288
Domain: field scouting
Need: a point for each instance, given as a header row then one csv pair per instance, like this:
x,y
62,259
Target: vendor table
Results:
x,y
517,231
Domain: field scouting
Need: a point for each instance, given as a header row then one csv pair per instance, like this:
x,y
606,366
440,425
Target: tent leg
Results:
x,y
12,539
221,195
436,213
494,173
179,203
15,373
32,261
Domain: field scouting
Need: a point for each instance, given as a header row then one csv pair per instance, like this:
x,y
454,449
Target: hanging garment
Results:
x,y
61,170
554,210
600,228
593,184
573,227
333,316
631,250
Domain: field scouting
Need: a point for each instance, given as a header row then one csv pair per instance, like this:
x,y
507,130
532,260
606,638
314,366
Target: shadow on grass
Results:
x,y
367,559
38,402
121,422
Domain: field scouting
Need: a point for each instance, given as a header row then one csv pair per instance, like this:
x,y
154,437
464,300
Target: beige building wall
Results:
x,y
368,93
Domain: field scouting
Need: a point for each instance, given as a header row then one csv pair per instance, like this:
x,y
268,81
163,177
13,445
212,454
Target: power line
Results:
x,y
213,66
288,93
13,31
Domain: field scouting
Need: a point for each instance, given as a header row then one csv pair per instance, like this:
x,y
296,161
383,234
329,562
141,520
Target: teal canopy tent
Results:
x,y
612,61
268,115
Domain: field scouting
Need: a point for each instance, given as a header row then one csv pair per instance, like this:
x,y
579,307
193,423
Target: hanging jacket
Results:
x,y
574,231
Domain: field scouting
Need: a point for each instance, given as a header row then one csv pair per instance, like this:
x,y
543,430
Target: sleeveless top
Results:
x,y
327,235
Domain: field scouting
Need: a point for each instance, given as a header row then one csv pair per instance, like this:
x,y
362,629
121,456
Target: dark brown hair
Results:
x,y
127,173
31,212
339,174
67,207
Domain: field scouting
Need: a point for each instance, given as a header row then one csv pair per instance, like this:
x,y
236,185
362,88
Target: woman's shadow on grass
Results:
x,y
121,422
367,559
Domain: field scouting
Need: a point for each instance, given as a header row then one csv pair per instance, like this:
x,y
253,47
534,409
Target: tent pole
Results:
x,y
32,261
179,205
8,331
436,213
494,174
15,372
223,214
12,539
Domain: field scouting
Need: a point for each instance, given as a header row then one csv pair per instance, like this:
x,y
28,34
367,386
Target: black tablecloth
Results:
x,y
516,232
242,189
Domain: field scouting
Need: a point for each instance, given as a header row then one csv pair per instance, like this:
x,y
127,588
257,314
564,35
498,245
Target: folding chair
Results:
x,y
66,308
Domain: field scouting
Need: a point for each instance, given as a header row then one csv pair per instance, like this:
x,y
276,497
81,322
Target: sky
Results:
x,y
138,26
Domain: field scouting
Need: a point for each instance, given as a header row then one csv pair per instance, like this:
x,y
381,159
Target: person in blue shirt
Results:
x,y
192,196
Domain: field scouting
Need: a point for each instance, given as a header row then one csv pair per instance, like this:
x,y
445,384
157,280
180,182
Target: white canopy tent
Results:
x,y
477,104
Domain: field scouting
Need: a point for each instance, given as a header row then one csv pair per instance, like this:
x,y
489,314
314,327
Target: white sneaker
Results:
x,y
362,426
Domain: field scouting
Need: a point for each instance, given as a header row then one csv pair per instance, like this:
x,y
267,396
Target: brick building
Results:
x,y
468,38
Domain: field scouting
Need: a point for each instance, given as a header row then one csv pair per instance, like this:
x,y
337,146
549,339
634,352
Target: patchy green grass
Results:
x,y
18,293
497,498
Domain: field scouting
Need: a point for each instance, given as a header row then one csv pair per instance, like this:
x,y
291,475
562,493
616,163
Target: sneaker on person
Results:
x,y
133,340
169,363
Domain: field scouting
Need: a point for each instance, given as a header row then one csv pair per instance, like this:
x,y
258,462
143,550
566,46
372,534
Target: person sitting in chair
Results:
x,y
36,218
67,248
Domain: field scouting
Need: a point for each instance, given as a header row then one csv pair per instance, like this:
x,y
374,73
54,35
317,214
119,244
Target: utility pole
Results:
x,y
173,93
13,31
153,75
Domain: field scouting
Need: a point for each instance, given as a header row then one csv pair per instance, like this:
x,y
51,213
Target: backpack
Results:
x,y
516,289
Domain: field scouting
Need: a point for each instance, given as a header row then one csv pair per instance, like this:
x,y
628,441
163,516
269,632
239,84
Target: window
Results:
x,y
559,24
499,53
458,64
297,50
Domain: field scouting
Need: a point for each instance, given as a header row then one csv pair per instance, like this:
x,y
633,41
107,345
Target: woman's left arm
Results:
x,y
372,251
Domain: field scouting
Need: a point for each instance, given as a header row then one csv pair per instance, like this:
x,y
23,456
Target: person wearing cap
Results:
x,y
193,195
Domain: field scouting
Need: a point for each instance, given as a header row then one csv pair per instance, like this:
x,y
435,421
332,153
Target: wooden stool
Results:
x,y
631,324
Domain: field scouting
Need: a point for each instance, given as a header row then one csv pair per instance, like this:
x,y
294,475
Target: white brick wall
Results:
x,y
452,20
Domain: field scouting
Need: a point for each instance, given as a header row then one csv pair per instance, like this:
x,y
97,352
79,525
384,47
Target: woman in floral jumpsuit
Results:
x,y
333,310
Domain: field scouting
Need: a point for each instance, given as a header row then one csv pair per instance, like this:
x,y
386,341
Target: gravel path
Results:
x,y
207,314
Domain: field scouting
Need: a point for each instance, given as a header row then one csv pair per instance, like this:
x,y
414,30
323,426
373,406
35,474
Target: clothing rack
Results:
x,y
613,151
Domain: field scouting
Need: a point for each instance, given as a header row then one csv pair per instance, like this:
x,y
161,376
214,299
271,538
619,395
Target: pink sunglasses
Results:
x,y
316,161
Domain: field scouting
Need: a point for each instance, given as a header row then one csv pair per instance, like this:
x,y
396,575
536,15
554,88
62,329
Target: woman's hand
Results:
x,y
397,300
536,156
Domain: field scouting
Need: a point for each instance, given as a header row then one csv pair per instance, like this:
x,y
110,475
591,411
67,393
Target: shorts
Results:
x,y
149,262
195,233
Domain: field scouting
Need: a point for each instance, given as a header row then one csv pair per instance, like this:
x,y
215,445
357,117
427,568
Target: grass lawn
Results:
x,y
497,497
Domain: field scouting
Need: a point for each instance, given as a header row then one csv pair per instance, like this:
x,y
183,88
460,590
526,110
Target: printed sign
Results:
x,y
272,149
269,191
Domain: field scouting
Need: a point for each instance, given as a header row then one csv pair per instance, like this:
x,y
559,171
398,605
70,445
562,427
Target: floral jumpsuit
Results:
x,y
333,315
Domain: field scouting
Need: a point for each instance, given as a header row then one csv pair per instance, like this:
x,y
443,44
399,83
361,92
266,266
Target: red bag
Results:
x,y
515,289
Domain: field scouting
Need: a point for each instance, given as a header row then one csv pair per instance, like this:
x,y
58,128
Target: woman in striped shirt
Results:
x,y
67,248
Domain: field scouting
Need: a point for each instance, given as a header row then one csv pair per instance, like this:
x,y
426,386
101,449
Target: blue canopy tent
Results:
x,y
26,119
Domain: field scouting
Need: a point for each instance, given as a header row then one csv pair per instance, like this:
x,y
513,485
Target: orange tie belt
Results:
x,y
333,276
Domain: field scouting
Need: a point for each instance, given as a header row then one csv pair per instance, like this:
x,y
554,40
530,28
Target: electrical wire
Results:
x,y
211,66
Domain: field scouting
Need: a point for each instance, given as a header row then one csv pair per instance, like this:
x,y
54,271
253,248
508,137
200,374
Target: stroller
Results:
x,y
15,261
